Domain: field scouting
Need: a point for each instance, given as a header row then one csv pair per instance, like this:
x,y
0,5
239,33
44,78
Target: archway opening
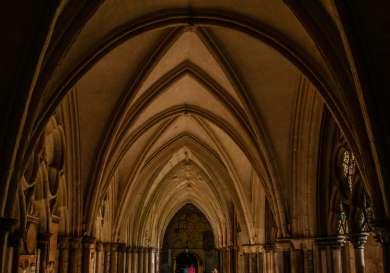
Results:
x,y
186,262
189,245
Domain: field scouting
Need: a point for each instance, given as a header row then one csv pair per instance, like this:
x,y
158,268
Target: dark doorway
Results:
x,y
186,263
188,239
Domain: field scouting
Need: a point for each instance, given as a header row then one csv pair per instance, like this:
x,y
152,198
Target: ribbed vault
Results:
x,y
191,117
260,113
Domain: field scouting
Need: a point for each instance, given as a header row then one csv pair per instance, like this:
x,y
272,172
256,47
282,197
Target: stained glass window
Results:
x,y
349,167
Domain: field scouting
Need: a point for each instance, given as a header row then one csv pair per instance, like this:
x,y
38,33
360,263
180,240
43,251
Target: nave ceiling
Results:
x,y
264,117
239,113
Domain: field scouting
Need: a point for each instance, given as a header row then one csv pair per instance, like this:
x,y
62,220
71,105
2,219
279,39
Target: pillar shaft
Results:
x,y
135,260
121,258
76,255
107,258
269,262
250,263
358,241
157,261
146,260
43,245
308,266
63,259
129,260
141,257
99,257
89,247
114,258
330,254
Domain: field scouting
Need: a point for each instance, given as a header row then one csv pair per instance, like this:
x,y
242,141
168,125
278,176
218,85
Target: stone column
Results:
x,y
234,259
358,241
260,262
269,261
278,261
14,242
156,260
135,260
89,255
141,256
229,251
99,257
76,255
224,261
330,254
146,260
153,260
114,258
250,263
221,261
264,267
308,266
6,225
129,260
107,257
295,261
121,258
63,259
43,245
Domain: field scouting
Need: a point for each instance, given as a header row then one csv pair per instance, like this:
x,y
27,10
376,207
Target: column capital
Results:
x,y
337,241
359,240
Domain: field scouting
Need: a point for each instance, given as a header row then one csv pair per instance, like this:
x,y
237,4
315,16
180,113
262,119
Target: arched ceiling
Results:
x,y
158,100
